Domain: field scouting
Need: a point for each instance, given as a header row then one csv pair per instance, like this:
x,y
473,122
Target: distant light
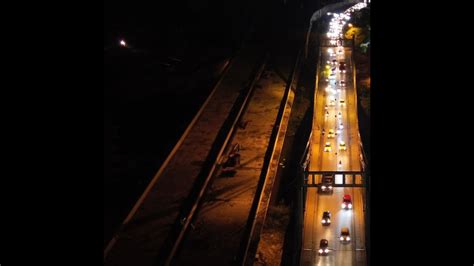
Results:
x,y
123,43
329,13
350,25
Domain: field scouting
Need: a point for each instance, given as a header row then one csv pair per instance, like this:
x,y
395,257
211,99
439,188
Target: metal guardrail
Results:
x,y
303,164
250,240
304,161
173,241
363,162
363,157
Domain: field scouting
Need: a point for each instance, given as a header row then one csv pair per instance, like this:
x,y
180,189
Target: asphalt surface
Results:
x,y
352,252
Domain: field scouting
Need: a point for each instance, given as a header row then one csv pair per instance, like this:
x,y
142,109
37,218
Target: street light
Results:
x,y
123,43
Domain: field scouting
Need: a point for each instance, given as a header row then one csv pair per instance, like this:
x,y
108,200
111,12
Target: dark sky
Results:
x,y
154,21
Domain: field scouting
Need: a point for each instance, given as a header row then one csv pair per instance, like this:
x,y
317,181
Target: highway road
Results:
x,y
330,114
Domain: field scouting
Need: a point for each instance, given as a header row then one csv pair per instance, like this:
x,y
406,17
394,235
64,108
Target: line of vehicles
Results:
x,y
334,66
326,187
332,70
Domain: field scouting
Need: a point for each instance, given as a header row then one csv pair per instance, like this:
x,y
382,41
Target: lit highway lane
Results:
x,y
340,253
329,160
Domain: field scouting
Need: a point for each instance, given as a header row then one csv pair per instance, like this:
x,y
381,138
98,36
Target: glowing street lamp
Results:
x,y
123,43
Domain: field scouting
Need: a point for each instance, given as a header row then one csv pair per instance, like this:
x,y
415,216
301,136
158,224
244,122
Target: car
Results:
x,y
331,133
341,126
326,184
323,247
346,202
342,146
342,83
334,62
342,69
332,103
327,147
345,237
326,218
342,102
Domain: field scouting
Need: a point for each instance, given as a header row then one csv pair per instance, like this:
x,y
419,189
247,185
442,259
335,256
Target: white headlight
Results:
x,y
320,251
329,220
323,187
330,187
350,206
326,250
343,205
348,238
341,238
323,221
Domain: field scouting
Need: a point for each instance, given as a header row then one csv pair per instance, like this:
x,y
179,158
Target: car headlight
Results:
x,y
330,187
323,221
320,251
326,250
343,205
329,220
341,238
350,206
348,238
323,187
